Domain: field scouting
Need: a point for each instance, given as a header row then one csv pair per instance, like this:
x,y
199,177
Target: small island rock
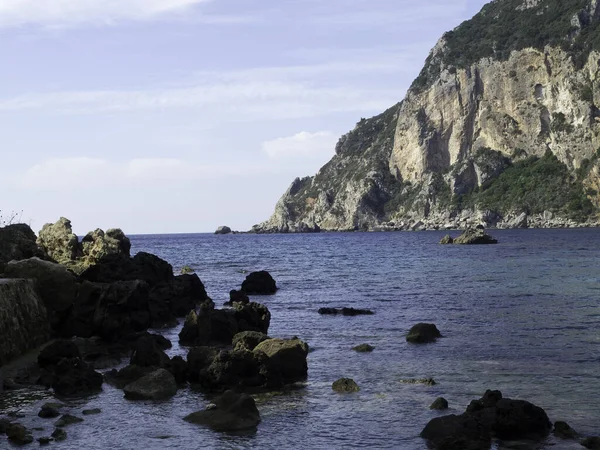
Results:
x,y
423,333
230,412
345,385
223,230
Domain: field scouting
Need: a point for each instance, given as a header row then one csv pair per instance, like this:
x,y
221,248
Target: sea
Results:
x,y
522,316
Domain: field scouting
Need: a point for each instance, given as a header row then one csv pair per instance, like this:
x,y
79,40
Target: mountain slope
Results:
x,y
512,90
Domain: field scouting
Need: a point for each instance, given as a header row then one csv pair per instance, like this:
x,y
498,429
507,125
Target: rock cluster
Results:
x,y
471,236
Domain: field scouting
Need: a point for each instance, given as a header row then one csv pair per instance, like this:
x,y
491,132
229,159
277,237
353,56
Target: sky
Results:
x,y
173,116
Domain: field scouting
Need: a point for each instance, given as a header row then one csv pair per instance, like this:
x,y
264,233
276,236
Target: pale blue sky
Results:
x,y
182,115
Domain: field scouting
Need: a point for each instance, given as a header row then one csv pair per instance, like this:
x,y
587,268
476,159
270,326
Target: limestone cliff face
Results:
x,y
463,123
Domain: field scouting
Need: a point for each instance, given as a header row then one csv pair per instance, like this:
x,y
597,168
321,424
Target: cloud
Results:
x,y
68,13
83,173
302,145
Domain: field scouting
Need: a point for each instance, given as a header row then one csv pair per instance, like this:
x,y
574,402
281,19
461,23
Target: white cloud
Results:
x,y
90,173
302,145
65,13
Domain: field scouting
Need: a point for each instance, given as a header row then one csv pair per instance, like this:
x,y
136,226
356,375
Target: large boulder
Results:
x,y
118,267
147,353
423,333
157,385
235,368
475,236
223,230
74,377
285,358
56,285
490,416
18,241
259,283
230,412
345,385
248,340
53,353
199,360
97,244
59,241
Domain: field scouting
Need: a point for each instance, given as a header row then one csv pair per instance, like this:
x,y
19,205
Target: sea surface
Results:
x,y
522,316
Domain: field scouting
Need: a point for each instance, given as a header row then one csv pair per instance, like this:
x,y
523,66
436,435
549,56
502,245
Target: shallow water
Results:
x,y
522,317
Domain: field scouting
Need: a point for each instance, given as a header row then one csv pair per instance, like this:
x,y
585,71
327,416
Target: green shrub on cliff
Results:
x,y
533,185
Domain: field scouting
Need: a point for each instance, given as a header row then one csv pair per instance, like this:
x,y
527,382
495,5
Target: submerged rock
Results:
x,y
425,381
91,412
447,240
157,385
49,412
59,434
18,434
259,283
423,333
345,311
345,385
363,348
230,412
592,443
563,430
66,420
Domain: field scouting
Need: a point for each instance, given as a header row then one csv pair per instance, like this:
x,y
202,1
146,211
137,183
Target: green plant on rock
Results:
x,y
185,270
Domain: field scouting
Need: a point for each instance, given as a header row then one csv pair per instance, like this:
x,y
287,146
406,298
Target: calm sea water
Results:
x,y
522,316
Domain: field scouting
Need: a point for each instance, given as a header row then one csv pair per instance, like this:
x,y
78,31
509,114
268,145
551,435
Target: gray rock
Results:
x,y
439,403
158,385
285,357
59,241
345,385
423,333
230,412
223,230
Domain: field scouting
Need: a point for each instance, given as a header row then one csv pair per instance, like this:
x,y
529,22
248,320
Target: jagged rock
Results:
x,y
17,242
363,348
97,245
474,236
236,368
259,283
59,434
490,416
286,358
230,412
59,241
564,431
248,340
345,385
237,297
423,333
23,319
223,230
447,240
439,403
147,353
117,267
345,311
56,285
18,434
157,385
179,369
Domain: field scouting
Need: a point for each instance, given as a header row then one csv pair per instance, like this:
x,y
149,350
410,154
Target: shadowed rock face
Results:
x,y
18,242
230,412
157,385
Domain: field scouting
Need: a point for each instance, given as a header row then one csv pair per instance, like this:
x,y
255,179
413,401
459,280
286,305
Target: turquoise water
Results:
x,y
522,316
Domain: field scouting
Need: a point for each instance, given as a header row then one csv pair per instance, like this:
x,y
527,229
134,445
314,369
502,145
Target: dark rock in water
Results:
x,y
425,381
45,440
179,369
345,385
439,403
474,236
363,348
223,230
147,353
490,416
423,333
59,434
143,266
198,361
75,377
187,291
232,369
127,375
248,340
447,240
231,412
220,325
91,412
18,434
4,424
259,283
157,385
57,286
592,443
237,297
48,412
52,354
66,420
562,430
285,359
457,433
345,311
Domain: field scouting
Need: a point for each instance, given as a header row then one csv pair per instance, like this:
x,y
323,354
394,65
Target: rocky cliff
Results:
x,y
501,123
